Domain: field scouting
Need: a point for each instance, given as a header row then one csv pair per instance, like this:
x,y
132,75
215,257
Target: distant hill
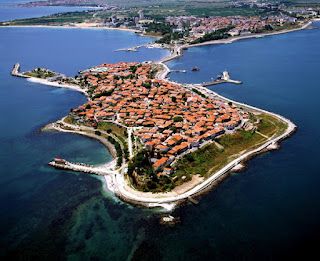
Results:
x,y
112,2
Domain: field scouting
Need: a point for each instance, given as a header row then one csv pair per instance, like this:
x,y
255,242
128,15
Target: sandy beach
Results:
x,y
56,84
78,26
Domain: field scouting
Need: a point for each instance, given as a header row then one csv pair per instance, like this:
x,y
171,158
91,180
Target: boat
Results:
x,y
195,69
169,220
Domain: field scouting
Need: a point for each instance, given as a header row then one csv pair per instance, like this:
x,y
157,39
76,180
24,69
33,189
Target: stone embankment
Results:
x,y
16,71
80,168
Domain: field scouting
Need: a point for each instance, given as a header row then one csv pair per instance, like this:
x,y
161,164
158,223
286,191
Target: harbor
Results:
x,y
224,79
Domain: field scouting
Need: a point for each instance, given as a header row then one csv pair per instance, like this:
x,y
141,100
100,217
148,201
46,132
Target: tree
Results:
x,y
97,132
119,161
177,119
174,99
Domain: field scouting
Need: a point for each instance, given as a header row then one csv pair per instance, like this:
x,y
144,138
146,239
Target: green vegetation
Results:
x,y
105,93
56,19
271,126
163,29
226,11
117,130
219,34
199,93
117,147
177,119
209,159
69,119
160,28
41,73
286,27
144,178
154,10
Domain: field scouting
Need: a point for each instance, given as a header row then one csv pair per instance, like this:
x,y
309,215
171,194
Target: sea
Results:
x,y
270,211
8,12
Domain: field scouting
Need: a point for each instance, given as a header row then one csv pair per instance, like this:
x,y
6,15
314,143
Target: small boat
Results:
x,y
195,69
169,220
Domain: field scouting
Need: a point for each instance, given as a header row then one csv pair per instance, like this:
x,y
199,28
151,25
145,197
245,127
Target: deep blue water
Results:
x,y
273,208
14,2
270,211
8,12
36,199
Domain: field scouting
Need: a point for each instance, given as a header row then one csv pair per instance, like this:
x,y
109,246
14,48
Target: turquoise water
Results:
x,y
270,211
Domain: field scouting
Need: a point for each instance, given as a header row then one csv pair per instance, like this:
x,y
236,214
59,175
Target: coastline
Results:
x,y
237,38
109,146
55,84
163,199
178,50
80,26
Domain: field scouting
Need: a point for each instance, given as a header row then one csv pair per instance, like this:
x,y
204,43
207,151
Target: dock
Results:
x,y
192,200
183,71
132,49
16,71
80,167
224,79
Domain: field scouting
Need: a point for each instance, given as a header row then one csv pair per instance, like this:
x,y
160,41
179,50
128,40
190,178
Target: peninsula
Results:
x,y
171,142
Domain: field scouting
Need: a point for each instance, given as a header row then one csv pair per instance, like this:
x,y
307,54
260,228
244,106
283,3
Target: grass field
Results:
x,y
209,159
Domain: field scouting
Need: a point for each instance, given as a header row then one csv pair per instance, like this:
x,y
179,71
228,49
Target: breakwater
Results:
x,y
224,79
16,71
63,164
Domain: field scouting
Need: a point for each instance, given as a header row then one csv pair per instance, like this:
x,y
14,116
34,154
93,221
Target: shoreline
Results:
x,y
237,38
119,181
71,27
56,84
105,142
178,50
